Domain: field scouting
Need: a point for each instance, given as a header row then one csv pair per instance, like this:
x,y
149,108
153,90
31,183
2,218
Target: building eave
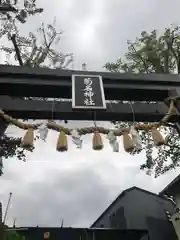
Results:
x,y
121,195
170,185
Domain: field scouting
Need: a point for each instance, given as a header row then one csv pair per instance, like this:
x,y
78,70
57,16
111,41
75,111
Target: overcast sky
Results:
x,y
79,185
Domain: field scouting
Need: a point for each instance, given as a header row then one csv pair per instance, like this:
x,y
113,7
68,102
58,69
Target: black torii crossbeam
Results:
x,y
17,82
57,83
36,109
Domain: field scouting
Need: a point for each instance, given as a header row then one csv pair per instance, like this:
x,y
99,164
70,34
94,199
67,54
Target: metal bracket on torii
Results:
x,y
19,82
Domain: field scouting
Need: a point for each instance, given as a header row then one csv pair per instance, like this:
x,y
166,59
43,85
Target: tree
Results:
x,y
29,51
153,53
12,10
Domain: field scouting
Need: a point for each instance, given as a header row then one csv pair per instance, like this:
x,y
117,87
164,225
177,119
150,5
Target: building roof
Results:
x,y
170,185
121,195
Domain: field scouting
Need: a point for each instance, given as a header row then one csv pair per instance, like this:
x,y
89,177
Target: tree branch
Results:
x,y
169,43
166,61
7,8
13,39
141,59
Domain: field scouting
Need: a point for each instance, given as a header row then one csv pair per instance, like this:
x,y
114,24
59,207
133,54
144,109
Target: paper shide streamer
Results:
x,y
113,141
76,138
135,138
43,131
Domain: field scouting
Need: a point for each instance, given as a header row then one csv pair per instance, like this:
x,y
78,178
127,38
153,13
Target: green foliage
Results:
x,y
39,53
154,53
13,11
12,234
10,147
38,49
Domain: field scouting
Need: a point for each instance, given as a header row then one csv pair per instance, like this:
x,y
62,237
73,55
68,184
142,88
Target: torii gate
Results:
x,y
17,82
100,89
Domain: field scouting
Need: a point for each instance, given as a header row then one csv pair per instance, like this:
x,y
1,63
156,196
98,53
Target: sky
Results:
x,y
80,184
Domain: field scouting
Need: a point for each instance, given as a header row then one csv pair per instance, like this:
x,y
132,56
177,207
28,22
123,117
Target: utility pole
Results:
x,y
7,208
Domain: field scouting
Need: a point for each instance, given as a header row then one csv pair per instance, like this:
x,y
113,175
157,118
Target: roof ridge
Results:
x,y
122,193
175,180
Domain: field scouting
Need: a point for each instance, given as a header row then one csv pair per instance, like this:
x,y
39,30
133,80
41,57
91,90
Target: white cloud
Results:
x,y
77,185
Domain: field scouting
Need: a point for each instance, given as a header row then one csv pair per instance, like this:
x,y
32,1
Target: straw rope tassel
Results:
x,y
157,137
62,144
97,141
28,140
128,143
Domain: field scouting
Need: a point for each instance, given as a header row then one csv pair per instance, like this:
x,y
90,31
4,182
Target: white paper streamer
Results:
x,y
111,136
115,146
43,131
76,138
136,138
113,141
